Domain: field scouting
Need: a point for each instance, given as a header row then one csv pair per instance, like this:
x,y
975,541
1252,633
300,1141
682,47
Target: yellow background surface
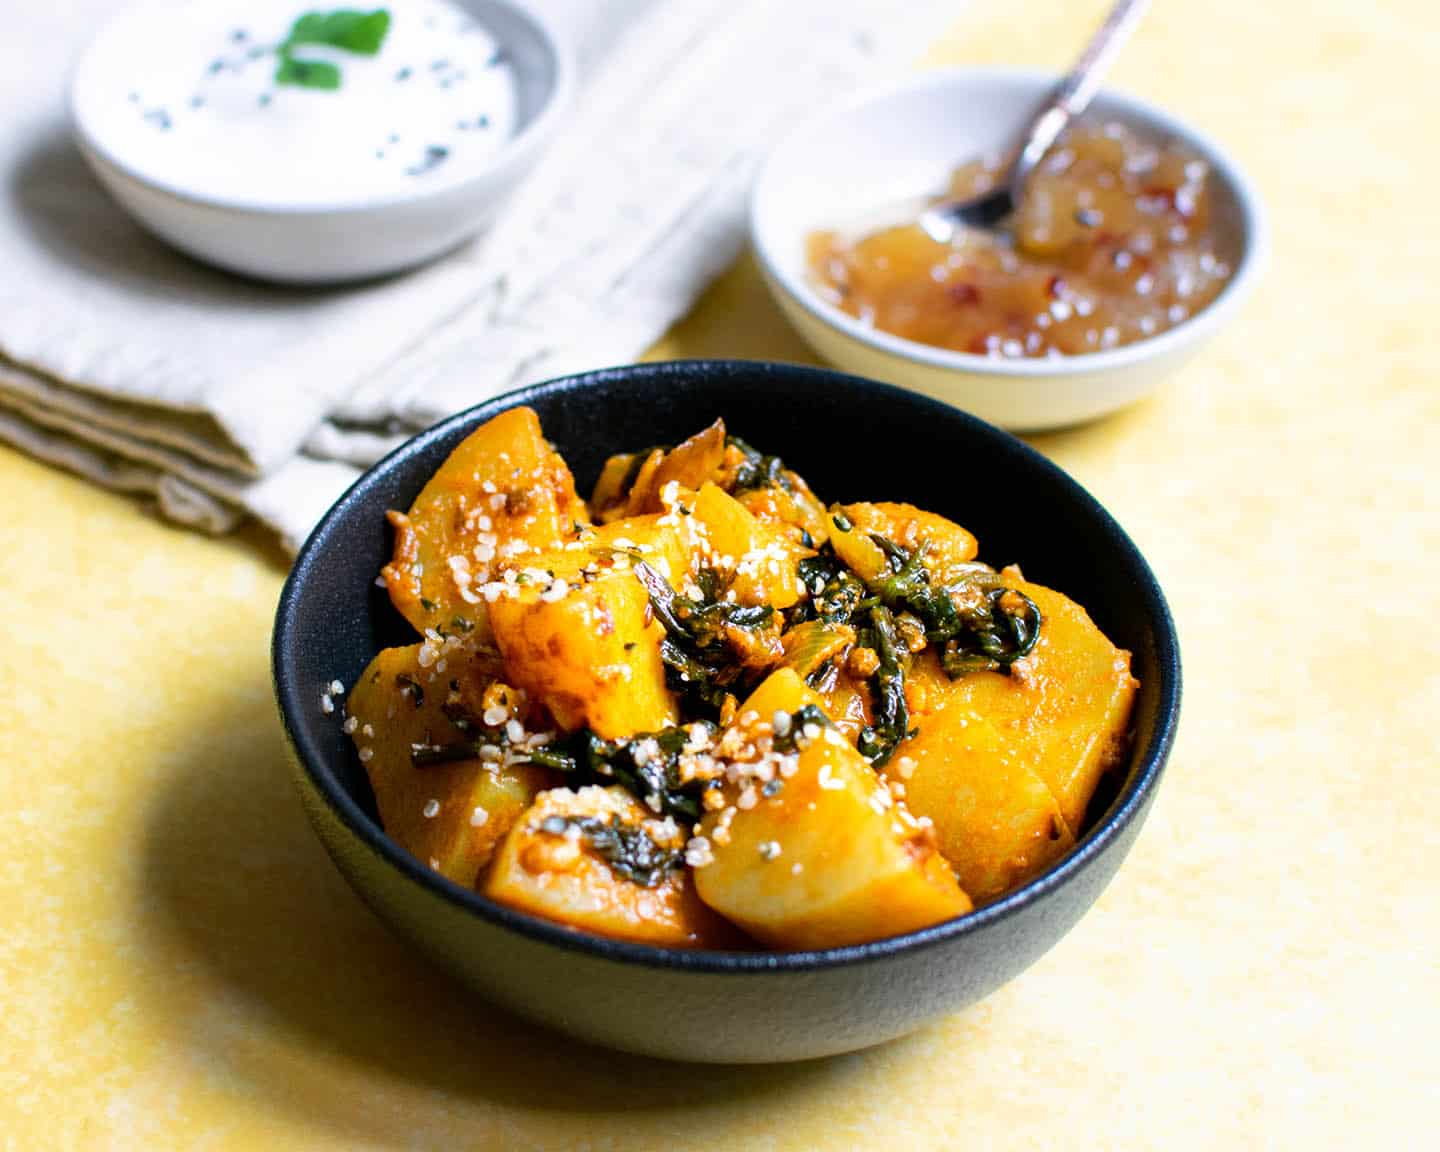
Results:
x,y
180,965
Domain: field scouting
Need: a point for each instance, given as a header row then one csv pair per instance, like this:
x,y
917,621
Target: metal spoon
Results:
x,y
1070,97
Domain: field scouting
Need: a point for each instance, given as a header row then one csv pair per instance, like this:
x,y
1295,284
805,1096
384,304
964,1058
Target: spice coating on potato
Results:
x,y
550,866
759,560
995,819
827,858
448,815
948,547
589,656
1064,712
503,492
574,629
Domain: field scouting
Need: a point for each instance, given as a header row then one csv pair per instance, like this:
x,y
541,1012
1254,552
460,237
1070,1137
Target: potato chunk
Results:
x,y
503,492
448,815
689,464
581,642
950,547
995,819
1064,712
790,505
759,559
550,867
828,859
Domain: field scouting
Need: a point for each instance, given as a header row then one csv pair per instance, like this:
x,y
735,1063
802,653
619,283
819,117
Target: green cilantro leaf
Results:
x,y
345,28
307,73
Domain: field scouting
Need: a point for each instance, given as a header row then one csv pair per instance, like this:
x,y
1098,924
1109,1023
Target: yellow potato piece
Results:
x,y
795,509
503,491
1064,712
689,464
996,821
567,881
854,546
580,643
449,816
826,861
662,541
951,547
758,557
781,691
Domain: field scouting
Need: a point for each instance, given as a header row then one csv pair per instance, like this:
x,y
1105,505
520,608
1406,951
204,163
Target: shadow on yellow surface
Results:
x,y
301,996
735,317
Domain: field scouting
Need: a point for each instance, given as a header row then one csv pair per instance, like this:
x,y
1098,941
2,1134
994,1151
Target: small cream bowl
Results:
x,y
892,145
352,233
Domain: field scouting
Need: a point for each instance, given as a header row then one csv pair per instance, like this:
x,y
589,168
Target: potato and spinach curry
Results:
x,y
707,710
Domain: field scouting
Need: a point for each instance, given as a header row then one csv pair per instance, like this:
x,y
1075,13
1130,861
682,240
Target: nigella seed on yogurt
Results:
x,y
317,143
435,155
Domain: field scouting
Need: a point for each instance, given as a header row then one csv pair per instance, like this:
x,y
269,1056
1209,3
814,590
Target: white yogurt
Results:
x,y
183,93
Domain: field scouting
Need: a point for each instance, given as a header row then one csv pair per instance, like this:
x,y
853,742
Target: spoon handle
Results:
x,y
1072,95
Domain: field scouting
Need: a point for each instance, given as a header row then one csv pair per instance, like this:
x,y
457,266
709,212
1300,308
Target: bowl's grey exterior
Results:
x,y
853,439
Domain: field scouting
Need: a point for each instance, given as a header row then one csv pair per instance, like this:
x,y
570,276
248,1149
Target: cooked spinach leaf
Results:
x,y
627,848
891,715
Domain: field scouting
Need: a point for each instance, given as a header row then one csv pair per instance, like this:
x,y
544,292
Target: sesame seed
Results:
x,y
431,809
350,725
770,849
327,705
366,755
698,852
337,688
495,716
478,817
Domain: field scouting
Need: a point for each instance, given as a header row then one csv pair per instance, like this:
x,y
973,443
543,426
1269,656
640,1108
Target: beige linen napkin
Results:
x,y
142,370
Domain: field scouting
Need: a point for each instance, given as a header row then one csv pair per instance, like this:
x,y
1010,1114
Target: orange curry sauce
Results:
x,y
1113,242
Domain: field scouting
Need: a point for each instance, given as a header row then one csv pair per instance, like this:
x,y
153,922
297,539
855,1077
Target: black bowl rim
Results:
x,y
1126,807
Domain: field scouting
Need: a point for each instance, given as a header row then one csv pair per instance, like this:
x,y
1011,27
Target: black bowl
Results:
x,y
853,439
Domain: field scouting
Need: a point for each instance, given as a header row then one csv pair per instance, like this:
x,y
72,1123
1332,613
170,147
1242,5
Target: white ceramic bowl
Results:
x,y
347,239
890,145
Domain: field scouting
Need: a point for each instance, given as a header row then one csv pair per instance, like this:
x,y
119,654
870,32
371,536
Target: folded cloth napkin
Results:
x,y
141,370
